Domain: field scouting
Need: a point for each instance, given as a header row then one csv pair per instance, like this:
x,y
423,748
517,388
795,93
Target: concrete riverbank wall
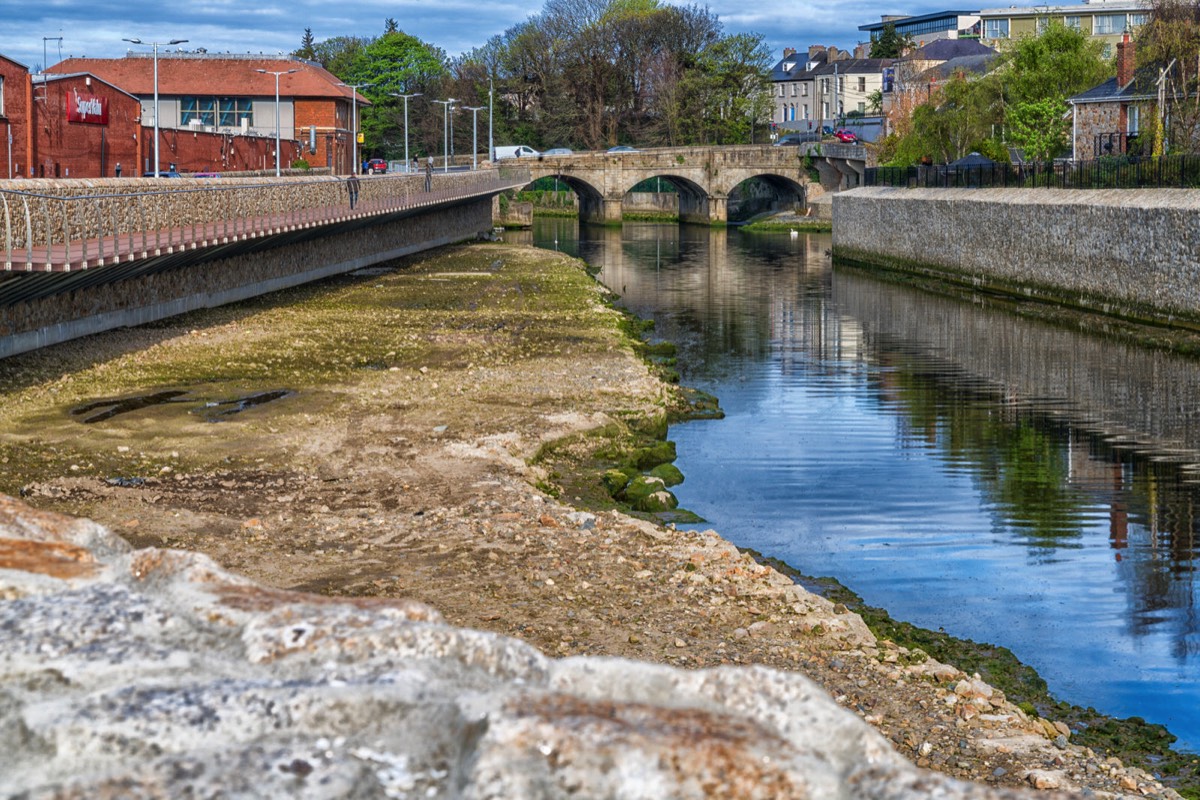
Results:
x,y
1133,253
214,279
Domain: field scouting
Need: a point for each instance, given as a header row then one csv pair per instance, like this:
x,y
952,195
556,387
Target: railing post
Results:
x,y
7,235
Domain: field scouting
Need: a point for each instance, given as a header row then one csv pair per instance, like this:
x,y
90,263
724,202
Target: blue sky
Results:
x,y
96,28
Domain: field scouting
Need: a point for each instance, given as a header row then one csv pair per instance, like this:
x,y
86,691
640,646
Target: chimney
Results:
x,y
860,51
789,51
833,54
813,49
1125,61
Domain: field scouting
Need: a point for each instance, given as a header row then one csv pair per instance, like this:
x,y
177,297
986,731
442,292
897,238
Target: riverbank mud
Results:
x,y
438,425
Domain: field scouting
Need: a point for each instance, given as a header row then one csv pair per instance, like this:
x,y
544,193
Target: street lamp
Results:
x,y
406,96
276,74
446,132
155,45
491,147
354,87
474,132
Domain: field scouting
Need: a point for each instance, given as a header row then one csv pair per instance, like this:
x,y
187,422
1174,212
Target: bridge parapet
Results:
x,y
67,225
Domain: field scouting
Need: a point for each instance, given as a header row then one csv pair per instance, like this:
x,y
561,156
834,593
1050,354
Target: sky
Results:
x,y
96,28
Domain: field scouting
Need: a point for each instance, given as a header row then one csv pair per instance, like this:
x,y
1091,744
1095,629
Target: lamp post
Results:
x,y
155,45
474,132
354,87
276,74
491,147
406,96
446,132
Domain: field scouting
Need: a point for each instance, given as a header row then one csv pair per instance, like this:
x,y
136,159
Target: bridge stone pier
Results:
x,y
703,176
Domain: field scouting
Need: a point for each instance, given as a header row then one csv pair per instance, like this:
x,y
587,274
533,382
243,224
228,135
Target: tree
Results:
x,y
1055,64
390,26
339,54
1041,127
890,44
1169,43
307,50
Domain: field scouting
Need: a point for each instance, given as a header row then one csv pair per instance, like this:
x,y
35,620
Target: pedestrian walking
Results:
x,y
352,189
429,174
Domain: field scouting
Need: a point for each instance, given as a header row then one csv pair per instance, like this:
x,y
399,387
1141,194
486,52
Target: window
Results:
x,y
842,84
1109,23
862,108
1138,19
1,95
209,111
793,90
804,90
995,29
1073,23
862,84
1133,120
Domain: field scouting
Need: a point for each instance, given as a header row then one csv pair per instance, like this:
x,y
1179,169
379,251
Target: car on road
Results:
x,y
622,148
162,173
559,151
376,166
845,136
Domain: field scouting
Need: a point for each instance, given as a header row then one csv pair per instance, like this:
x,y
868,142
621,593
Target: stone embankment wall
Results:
x,y
1130,252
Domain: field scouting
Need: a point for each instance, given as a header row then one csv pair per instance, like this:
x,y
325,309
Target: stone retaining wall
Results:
x,y
1128,252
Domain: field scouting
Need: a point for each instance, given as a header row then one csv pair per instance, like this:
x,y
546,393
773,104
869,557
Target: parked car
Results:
x,y
376,166
622,148
162,173
559,151
845,136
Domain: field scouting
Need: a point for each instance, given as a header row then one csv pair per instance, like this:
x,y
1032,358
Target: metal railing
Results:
x,y
1123,172
70,231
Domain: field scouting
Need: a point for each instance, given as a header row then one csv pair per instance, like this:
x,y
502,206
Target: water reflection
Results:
x,y
969,469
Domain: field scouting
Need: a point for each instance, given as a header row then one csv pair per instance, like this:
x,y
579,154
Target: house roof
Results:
x,y
1142,87
851,66
799,65
210,74
946,49
973,65
14,61
972,159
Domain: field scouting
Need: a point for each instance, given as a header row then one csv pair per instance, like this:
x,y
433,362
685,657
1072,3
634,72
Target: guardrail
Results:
x,y
48,232
1116,172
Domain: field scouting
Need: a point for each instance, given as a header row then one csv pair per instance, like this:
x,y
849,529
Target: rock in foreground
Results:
x,y
154,673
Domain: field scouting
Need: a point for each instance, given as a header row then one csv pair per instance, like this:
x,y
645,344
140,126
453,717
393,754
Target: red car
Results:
x,y
845,136
376,166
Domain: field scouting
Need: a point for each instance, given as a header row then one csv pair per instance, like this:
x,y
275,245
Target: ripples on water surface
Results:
x,y
967,469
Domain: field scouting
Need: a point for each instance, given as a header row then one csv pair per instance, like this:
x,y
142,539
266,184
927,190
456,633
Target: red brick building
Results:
x,y
84,126
14,118
232,97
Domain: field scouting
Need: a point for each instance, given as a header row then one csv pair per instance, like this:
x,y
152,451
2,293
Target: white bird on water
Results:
x,y
794,233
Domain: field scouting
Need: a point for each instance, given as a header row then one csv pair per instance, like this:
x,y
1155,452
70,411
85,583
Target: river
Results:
x,y
964,467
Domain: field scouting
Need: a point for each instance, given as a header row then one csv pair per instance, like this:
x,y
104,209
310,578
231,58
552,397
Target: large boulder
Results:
x,y
154,673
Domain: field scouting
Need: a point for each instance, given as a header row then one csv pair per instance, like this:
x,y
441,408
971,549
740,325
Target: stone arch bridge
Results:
x,y
703,176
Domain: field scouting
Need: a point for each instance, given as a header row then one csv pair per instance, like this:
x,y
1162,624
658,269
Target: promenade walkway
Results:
x,y
84,226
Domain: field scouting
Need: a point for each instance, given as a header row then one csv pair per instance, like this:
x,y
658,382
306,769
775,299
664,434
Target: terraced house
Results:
x,y
824,86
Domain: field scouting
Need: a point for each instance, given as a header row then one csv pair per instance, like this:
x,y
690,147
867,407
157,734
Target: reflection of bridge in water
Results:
x,y
703,176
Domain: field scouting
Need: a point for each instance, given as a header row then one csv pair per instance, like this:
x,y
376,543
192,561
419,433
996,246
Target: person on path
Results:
x,y
352,189
429,174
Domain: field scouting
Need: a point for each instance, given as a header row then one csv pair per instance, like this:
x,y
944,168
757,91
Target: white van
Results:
x,y
516,151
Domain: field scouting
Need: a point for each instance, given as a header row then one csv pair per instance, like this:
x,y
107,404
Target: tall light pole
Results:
x,y
406,96
491,147
446,132
354,87
155,45
276,74
474,133
50,39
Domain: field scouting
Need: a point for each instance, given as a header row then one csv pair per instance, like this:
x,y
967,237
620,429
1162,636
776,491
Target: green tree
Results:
x,y
1171,36
339,54
1055,64
395,63
890,44
1041,127
307,49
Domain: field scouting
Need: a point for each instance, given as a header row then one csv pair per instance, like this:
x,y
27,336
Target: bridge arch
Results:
x,y
694,199
591,197
766,191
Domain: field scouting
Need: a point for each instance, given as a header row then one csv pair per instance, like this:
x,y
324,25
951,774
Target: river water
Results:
x,y
968,469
